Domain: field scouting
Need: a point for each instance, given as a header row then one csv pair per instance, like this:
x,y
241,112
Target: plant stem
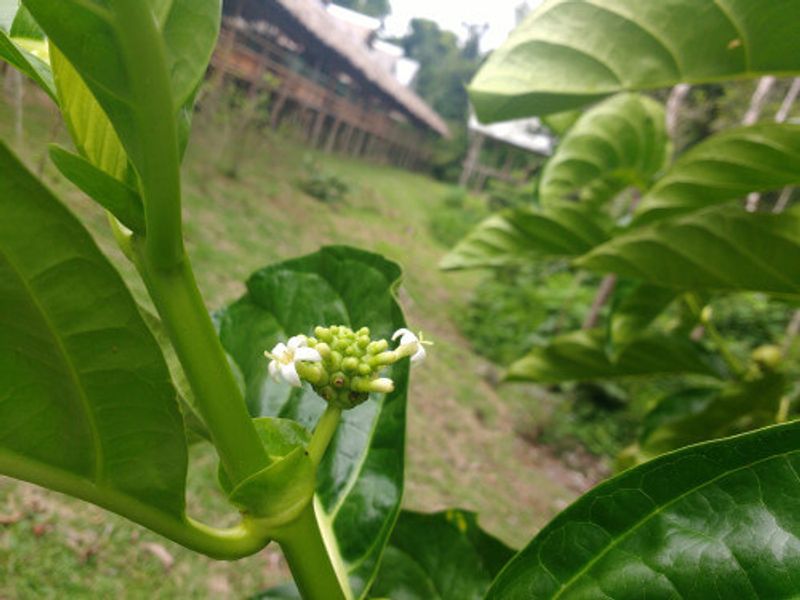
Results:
x,y
158,157
186,320
323,433
716,337
311,566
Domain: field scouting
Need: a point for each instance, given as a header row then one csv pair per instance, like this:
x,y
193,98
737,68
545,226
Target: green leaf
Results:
x,y
721,248
116,197
521,235
634,307
619,143
360,480
701,414
713,521
724,167
568,53
87,404
91,36
22,46
446,556
581,356
91,131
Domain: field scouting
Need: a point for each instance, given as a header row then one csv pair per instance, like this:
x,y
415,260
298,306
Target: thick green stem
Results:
x,y
323,433
178,301
158,157
311,566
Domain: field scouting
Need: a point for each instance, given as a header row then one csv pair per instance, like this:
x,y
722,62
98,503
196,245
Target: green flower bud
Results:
x,y
364,369
339,380
323,333
377,347
350,364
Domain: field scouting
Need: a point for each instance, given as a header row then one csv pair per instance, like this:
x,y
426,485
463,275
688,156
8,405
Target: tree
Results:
x,y
380,9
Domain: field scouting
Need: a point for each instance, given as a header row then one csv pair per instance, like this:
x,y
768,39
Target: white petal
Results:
x,y
298,341
307,355
274,370
290,376
279,351
382,385
409,338
402,331
419,356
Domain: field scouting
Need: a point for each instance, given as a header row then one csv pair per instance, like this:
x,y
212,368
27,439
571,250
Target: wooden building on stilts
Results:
x,y
323,74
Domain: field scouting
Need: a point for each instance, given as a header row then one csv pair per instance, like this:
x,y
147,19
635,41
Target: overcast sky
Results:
x,y
450,14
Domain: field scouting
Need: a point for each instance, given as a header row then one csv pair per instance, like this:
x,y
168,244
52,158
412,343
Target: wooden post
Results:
x,y
472,160
316,132
276,109
346,138
330,143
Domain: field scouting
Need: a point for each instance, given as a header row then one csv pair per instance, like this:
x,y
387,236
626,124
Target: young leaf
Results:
x,y
88,407
721,248
113,195
520,235
568,53
361,478
581,356
22,45
717,520
618,143
701,414
444,555
724,167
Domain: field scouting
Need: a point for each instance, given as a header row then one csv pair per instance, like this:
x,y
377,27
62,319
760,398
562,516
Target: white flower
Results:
x,y
413,344
284,358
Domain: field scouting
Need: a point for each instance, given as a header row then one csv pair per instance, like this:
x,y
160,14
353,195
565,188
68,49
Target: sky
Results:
x,y
450,14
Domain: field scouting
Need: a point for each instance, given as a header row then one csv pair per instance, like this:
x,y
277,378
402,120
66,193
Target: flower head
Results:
x,y
284,359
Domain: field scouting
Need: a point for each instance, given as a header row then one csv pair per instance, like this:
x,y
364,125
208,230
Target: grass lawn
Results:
x,y
462,449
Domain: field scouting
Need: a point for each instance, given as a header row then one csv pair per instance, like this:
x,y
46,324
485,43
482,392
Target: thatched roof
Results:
x,y
312,17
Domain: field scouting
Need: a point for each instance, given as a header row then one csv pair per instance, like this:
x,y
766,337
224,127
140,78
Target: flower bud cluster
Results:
x,y
343,366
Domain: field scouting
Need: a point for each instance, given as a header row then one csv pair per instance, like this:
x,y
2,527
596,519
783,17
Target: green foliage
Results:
x,y
88,405
517,236
321,184
454,216
619,143
374,8
721,248
365,462
567,54
22,45
444,555
651,528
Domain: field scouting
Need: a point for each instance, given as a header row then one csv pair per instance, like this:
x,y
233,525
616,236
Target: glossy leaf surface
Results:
x,y
724,167
618,143
568,53
446,556
22,45
522,235
713,521
722,248
582,356
361,477
86,395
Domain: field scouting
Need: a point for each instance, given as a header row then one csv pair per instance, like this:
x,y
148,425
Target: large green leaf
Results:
x,y
97,40
522,235
442,556
619,143
721,248
22,45
582,356
725,167
701,414
361,478
713,521
86,403
571,52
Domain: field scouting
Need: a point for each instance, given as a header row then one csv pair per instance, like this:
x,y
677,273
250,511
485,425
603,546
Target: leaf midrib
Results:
x,y
658,510
70,367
